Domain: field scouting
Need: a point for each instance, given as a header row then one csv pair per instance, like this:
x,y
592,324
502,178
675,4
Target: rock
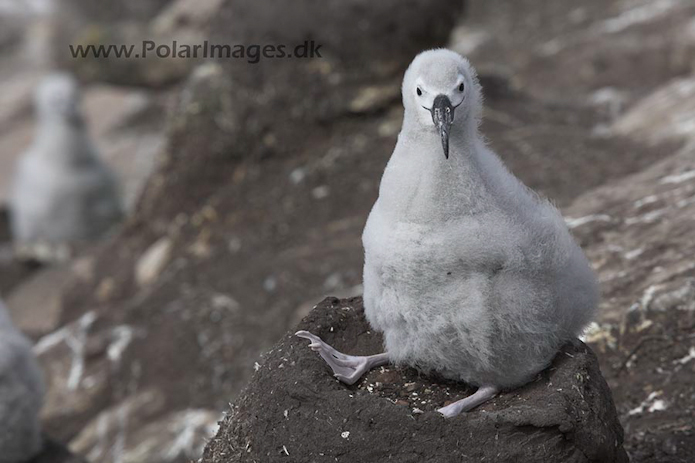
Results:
x,y
385,34
176,437
153,261
115,10
637,234
667,114
12,26
128,23
54,452
374,98
294,408
35,305
188,15
642,250
139,429
567,50
81,362
383,39
146,67
121,422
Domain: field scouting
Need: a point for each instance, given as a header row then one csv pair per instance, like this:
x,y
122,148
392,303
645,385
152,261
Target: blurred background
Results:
x,y
246,188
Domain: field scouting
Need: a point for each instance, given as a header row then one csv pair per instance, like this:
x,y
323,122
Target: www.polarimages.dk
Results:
x,y
149,48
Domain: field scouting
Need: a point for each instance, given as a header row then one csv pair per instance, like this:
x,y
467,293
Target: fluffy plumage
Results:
x,y
21,395
62,191
467,271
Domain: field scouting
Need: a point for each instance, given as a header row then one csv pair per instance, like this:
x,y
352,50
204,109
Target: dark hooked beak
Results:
x,y
443,117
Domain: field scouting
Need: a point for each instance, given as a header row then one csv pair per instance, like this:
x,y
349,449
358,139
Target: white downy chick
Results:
x,y
467,272
62,191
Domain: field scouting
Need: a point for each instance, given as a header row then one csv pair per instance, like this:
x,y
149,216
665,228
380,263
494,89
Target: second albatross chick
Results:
x,y
21,394
468,273
63,192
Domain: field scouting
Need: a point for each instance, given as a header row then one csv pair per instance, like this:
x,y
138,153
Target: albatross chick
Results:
x,y
468,272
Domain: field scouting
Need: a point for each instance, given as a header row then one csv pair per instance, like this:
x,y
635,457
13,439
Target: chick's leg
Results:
x,y
483,394
347,368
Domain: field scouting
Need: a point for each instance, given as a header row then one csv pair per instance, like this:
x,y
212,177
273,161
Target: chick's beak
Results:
x,y
443,116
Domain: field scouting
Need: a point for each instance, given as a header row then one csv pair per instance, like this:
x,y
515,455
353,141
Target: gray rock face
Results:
x,y
383,38
391,30
639,234
111,10
294,408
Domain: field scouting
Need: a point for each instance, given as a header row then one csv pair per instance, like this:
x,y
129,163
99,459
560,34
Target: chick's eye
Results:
x,y
461,87
419,92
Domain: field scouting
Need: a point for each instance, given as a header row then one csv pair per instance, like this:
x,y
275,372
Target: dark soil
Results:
x,y
294,408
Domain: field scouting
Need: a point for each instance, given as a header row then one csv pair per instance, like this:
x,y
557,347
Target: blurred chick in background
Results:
x,y
21,395
62,191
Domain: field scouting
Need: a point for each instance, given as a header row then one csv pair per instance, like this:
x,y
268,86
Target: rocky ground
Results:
x,y
293,407
265,173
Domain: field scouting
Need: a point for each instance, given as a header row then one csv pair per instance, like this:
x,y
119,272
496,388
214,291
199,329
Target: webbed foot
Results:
x,y
347,368
482,395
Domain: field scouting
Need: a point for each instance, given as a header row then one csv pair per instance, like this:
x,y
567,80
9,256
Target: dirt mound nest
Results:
x,y
294,407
